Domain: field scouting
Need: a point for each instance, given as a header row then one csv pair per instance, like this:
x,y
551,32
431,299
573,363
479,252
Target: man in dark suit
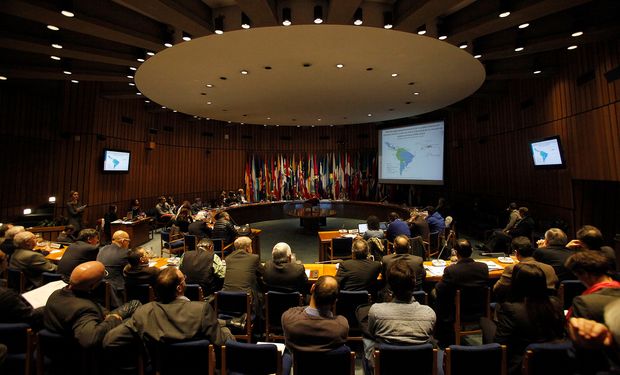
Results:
x,y
283,275
114,258
138,271
223,228
84,249
552,251
199,227
203,267
464,274
244,272
359,273
402,250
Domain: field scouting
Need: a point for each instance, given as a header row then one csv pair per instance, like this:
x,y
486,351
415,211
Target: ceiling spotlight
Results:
x,y
132,68
67,13
138,93
318,14
504,14
538,71
131,84
524,25
244,72
57,46
55,58
572,47
519,49
186,37
53,28
129,76
167,44
286,16
370,115
504,8
163,107
245,21
147,101
416,93
394,74
3,78
387,20
27,211
442,37
175,111
358,17
209,103
140,59
422,30
75,81
576,34
150,53
209,85
477,56
339,66
463,45
67,72
219,25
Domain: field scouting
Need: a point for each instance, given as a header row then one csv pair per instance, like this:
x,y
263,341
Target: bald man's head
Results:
x,y
121,239
325,292
87,276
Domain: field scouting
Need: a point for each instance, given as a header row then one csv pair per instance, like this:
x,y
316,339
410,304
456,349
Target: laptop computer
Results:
x,y
362,227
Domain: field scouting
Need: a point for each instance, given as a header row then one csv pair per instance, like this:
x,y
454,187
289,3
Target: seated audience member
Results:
x,y
552,251
13,307
171,318
223,228
374,229
186,205
164,210
197,206
513,217
3,229
592,269
31,263
84,249
108,218
241,196
604,338
500,240
396,227
402,320
402,251
591,238
204,267
532,316
436,223
183,220
8,246
199,227
465,273
67,235
137,271
114,258
418,226
135,209
524,251
173,206
244,272
283,275
73,311
314,327
359,273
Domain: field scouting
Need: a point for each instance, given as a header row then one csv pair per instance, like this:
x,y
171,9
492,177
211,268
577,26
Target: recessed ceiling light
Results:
x,y
3,78
175,111
168,44
416,93
519,49
477,56
55,58
572,47
129,76
244,72
504,14
524,25
140,59
339,66
150,53
57,46
319,119
219,32
370,115
163,107
209,103
537,71
394,74
53,28
147,101
268,118
138,93
312,126
422,32
186,37
131,84
66,72
132,68
442,37
74,81
463,45
67,13
577,33
299,126
209,85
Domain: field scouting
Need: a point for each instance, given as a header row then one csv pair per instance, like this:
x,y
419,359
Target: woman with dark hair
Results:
x,y
373,228
531,316
135,209
75,210
183,220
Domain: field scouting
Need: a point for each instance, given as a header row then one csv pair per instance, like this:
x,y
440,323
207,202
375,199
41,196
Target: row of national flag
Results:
x,y
333,175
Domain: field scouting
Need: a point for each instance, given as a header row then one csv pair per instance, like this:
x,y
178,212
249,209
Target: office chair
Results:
x,y
230,305
250,359
549,358
19,339
488,359
392,359
276,303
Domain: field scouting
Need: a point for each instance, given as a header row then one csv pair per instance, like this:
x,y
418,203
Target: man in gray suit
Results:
x,y
244,272
30,262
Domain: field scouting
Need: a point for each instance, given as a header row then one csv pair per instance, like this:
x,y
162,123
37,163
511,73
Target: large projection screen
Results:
x,y
412,154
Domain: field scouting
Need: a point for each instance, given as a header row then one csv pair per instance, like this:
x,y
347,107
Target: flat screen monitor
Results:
x,y
116,161
412,154
362,227
547,153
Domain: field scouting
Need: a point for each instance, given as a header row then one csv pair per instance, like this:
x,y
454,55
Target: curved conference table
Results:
x,y
254,212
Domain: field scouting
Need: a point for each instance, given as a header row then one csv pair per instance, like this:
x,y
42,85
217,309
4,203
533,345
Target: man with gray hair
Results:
x,y
552,250
244,272
282,274
30,262
8,246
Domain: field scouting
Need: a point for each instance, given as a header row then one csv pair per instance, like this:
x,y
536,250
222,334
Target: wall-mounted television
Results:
x,y
116,161
547,153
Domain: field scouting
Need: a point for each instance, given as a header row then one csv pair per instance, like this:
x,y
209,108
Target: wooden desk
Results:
x,y
495,274
322,269
311,217
55,254
138,230
325,241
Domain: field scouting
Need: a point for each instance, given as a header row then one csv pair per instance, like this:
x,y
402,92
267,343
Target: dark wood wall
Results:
x,y
52,135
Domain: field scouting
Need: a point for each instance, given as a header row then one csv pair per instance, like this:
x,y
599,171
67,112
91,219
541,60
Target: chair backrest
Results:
x,y
251,359
392,359
568,290
488,359
230,305
341,247
48,277
339,361
433,244
549,358
218,246
186,357
165,236
471,304
276,303
190,242
348,302
421,296
19,339
142,292
417,246
194,292
16,280
52,358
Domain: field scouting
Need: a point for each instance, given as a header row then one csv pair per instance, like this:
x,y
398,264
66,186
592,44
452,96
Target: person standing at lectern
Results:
x,y
75,210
